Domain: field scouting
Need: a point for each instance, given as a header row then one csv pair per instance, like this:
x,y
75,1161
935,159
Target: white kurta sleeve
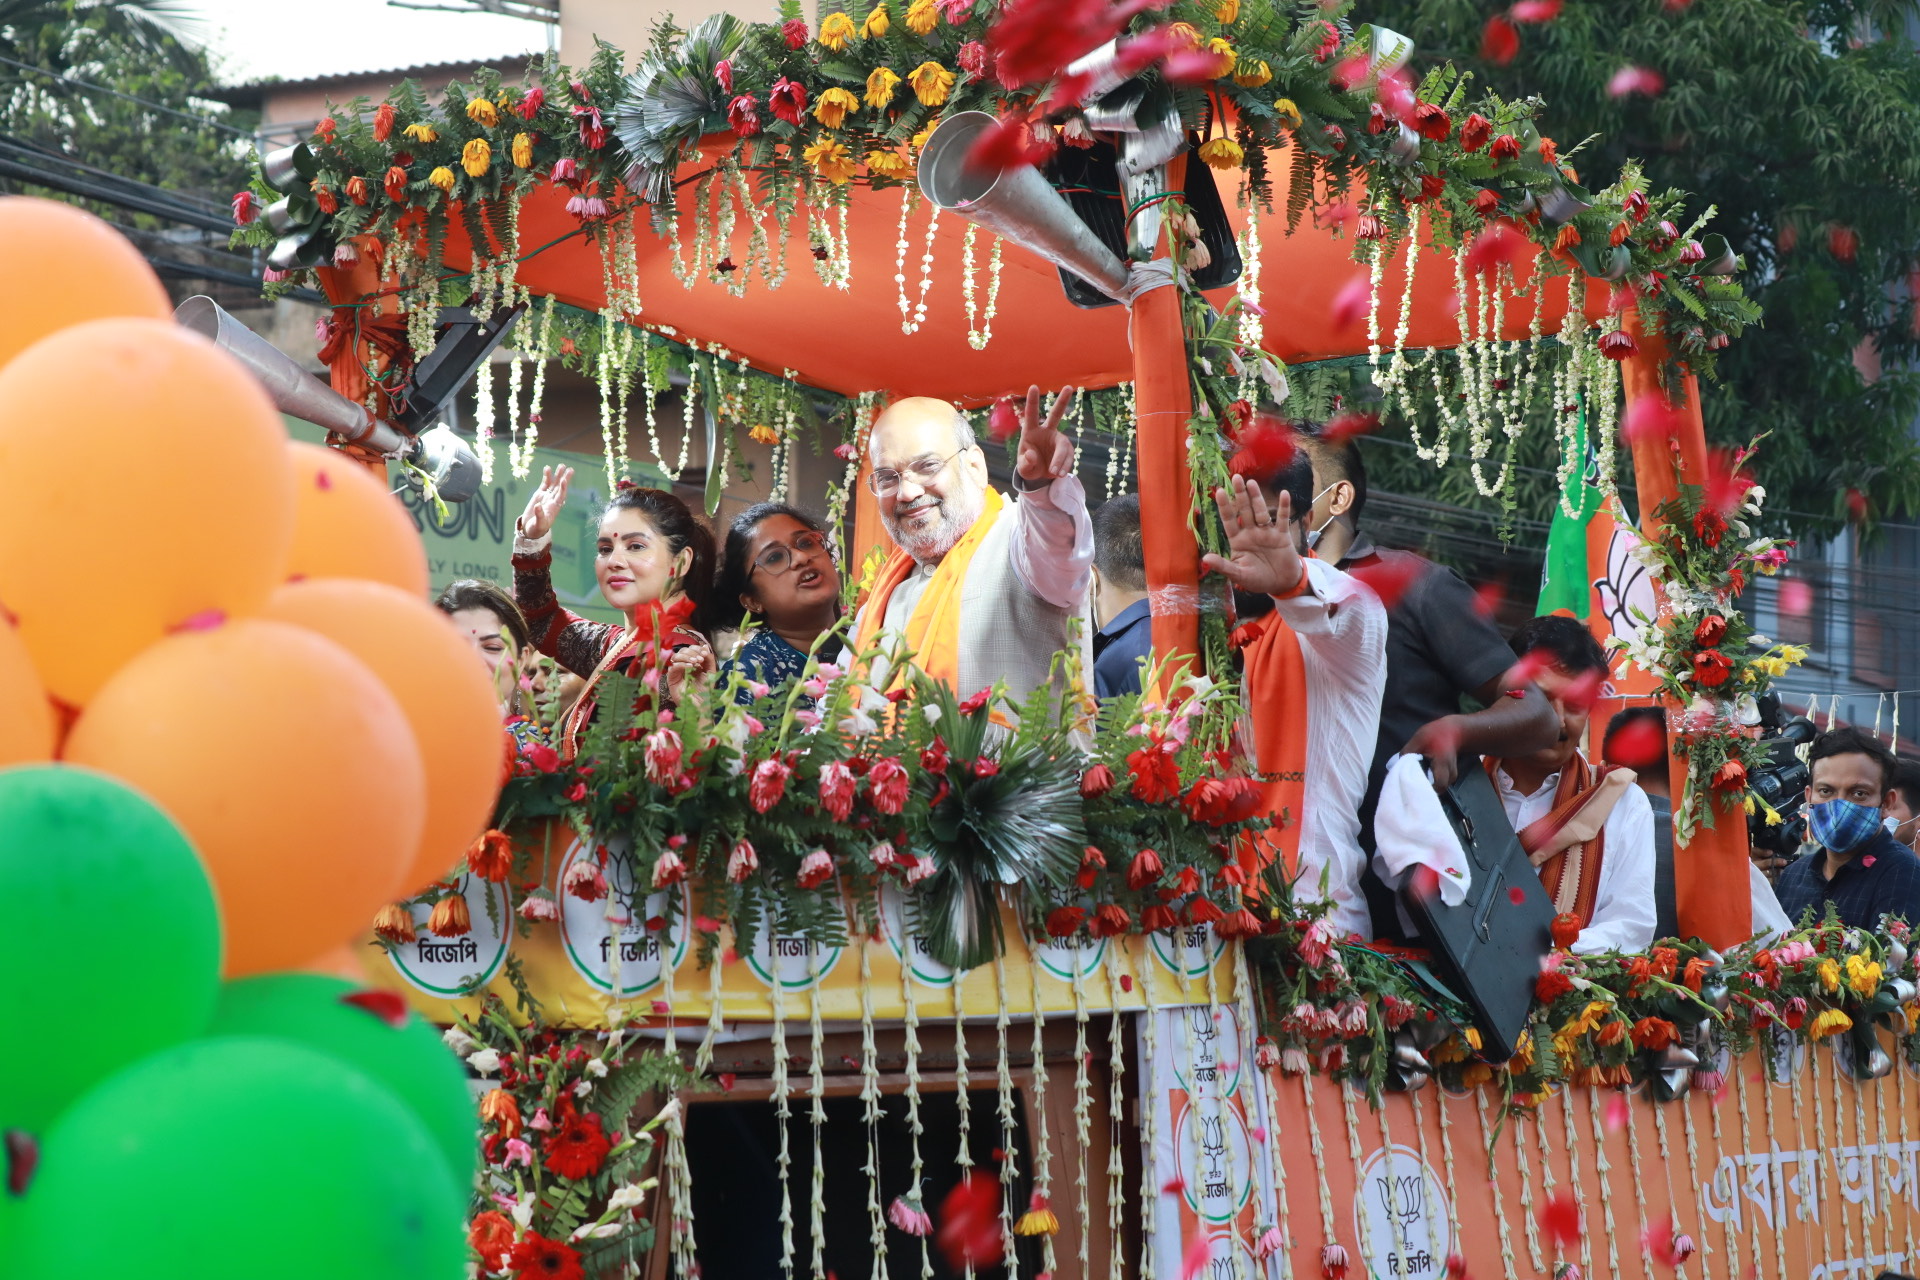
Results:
x,y
1623,918
1052,545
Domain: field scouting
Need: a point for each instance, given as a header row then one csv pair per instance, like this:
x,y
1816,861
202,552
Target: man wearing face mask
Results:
x,y
1903,802
1856,865
1314,665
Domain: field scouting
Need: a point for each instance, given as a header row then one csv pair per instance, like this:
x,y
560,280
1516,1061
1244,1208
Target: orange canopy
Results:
x,y
850,340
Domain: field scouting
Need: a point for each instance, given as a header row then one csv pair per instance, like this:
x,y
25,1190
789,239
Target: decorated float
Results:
x,y
967,1000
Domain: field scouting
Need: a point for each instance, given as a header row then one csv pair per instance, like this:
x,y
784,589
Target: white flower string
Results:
x,y
484,411
1573,1179
817,1091
680,1197
1493,1180
1247,289
1149,1071
1319,1148
703,1057
912,317
1042,1143
688,397
964,1158
1276,1162
979,336
783,1113
1358,1158
1223,1104
536,398
1773,1144
1116,1100
1395,1221
1639,1183
1900,1079
1526,1194
1820,1137
838,496
911,1007
1604,1169
1753,1220
871,1113
1009,1122
1840,1110
1393,380
1874,1178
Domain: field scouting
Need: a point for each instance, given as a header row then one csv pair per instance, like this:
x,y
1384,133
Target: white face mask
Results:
x,y
1313,535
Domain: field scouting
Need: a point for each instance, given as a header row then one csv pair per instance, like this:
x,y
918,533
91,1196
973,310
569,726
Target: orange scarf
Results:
x,y
933,632
626,650
1274,676
1571,877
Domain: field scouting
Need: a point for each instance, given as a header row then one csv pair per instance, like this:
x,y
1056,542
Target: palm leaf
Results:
x,y
668,100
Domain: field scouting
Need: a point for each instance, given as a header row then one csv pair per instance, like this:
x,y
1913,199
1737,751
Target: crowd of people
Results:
x,y
1362,701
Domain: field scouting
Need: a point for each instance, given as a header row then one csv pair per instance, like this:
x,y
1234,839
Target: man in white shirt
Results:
x,y
980,588
1588,831
1315,667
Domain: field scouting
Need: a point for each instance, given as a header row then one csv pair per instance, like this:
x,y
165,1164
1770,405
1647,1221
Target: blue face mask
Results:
x,y
1842,825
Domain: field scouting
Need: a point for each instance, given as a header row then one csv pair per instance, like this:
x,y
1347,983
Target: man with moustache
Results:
x,y
980,588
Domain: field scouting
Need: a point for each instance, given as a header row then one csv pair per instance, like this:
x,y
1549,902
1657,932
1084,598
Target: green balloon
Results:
x,y
109,936
412,1060
238,1158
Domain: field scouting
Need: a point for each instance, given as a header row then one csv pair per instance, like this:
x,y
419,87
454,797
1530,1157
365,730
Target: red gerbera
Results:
x,y
539,1256
490,1235
577,1148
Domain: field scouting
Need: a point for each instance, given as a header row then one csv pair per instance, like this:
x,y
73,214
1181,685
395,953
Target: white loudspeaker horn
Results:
x,y
297,393
1017,203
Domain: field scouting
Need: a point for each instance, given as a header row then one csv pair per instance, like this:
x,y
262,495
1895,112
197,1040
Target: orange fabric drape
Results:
x,y
1276,685
1710,873
933,632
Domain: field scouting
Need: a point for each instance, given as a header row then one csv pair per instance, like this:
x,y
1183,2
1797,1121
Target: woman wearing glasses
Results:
x,y
778,565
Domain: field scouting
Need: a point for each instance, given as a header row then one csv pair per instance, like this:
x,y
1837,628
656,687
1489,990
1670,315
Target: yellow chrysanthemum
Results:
x,y
1222,153
881,84
1828,1022
919,139
831,160
482,112
931,83
523,150
888,164
835,30
1863,975
876,24
476,157
1251,73
1289,114
921,16
761,433
1829,971
422,133
1228,12
1184,34
442,178
831,107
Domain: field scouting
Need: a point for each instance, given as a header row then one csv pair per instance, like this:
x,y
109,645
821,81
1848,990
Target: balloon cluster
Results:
x,y
231,727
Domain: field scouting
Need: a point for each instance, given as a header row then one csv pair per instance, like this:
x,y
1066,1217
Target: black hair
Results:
x,y
673,520
1851,741
735,567
1117,547
1339,460
1566,640
1905,779
1293,478
479,593
1652,715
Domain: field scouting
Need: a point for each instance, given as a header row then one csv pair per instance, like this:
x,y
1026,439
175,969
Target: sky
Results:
x,y
297,39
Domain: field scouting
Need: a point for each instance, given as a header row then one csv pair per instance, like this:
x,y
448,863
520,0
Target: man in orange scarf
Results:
x,y
979,588
1314,669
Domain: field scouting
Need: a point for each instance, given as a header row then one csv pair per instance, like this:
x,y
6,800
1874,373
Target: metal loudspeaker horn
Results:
x,y
297,393
1018,203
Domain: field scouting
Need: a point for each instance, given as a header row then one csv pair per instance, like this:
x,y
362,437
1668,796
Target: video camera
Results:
x,y
1782,781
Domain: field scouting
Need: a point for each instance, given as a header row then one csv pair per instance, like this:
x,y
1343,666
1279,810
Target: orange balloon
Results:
x,y
59,266
289,766
146,485
26,717
441,686
348,526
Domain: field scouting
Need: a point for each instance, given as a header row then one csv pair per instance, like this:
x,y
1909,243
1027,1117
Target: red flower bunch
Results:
x,y
836,790
972,705
743,115
788,100
577,1148
794,32
768,784
1566,930
1711,631
1096,782
1709,525
888,783
491,856
1064,922
1654,1033
1551,985
1506,147
1156,774
1730,776
1431,121
548,1259
1711,668
1475,131
383,122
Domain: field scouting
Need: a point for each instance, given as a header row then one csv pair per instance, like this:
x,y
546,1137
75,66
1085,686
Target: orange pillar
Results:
x,y
1710,873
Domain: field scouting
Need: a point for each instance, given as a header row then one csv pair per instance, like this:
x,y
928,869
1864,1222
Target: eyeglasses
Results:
x,y
884,480
779,557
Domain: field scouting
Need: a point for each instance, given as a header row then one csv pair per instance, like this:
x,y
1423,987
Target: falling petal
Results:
x,y
1535,11
1617,1112
1500,41
1560,1217
1651,419
1487,597
1497,244
1638,745
1644,81
1517,896
1388,579
1796,598
384,1005
969,1235
1197,1252
1350,305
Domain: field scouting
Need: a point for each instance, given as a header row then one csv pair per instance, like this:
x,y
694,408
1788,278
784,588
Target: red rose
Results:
x,y
548,1259
1475,130
1711,669
934,758
543,757
577,792
1711,631
1064,922
577,1148
985,768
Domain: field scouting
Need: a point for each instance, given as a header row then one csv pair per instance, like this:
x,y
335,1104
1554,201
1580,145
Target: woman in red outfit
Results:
x,y
654,563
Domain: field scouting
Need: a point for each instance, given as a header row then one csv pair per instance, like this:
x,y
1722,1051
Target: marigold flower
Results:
x,y
442,177
831,160
1222,153
420,131
835,30
877,23
1251,73
1863,975
483,113
931,83
523,150
881,84
1829,971
1654,1033
476,157
888,164
1227,13
450,918
922,15
1038,1220
1288,112
1828,1022
394,923
831,108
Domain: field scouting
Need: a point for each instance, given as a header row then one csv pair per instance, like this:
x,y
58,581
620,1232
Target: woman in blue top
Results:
x,y
779,566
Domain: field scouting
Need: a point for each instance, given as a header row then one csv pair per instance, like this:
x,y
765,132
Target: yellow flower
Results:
x,y
1829,972
1184,34
442,178
1792,653
931,83
835,30
880,86
483,113
921,15
1228,12
1252,73
1473,1039
831,160
1773,817
1828,1022
1749,806
919,139
1289,114
523,150
761,433
476,157
876,24
888,164
1863,975
1222,153
831,107
422,133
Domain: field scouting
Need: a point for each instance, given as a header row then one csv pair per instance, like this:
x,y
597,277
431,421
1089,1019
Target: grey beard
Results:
x,y
932,544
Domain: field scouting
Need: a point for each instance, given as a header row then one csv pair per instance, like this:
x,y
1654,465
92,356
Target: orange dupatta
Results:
x,y
1274,675
933,632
